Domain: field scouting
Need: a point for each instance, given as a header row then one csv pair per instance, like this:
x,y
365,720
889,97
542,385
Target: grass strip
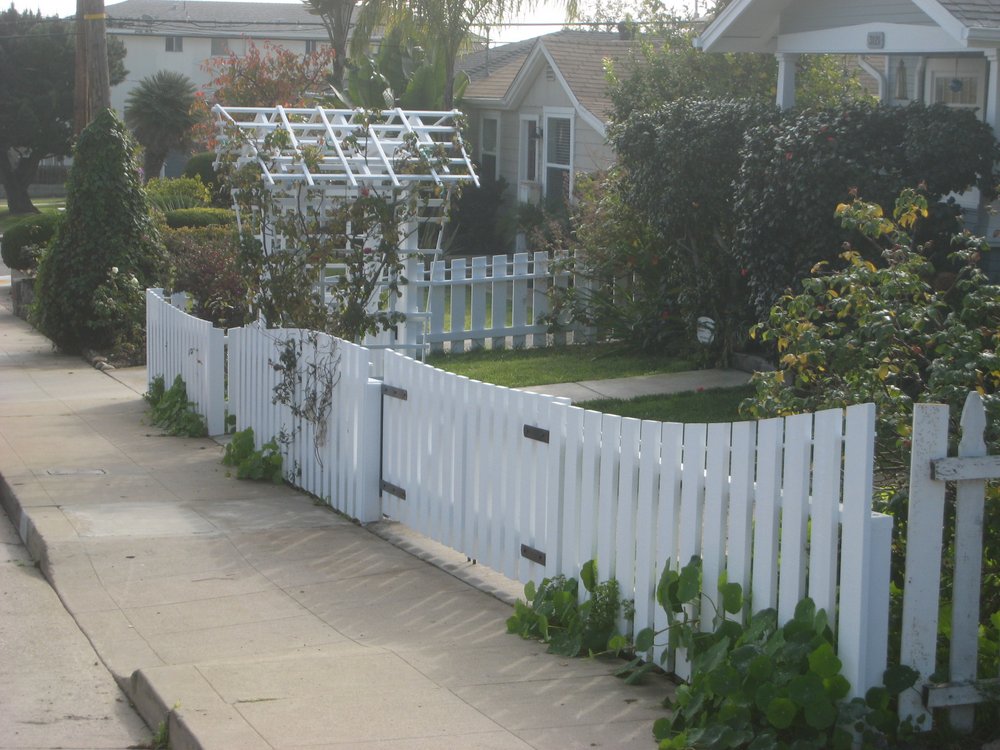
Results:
x,y
710,405
517,368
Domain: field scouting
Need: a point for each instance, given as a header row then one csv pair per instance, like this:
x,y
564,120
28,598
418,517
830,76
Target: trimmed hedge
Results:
x,y
31,231
199,217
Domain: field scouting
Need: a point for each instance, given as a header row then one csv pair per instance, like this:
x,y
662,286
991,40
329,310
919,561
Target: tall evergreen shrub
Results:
x,y
106,251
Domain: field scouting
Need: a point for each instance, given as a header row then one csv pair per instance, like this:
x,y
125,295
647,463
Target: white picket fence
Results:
x,y
930,470
330,445
460,304
534,487
181,344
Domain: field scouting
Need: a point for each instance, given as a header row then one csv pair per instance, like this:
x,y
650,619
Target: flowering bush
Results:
x,y
206,262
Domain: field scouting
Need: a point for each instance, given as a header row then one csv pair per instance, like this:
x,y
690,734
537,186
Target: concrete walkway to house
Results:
x,y
645,385
246,615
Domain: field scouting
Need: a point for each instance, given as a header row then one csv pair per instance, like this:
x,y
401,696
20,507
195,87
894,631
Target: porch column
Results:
x,y
786,79
993,89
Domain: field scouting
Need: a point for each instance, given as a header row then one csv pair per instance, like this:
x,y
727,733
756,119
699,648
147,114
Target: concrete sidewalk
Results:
x,y
247,616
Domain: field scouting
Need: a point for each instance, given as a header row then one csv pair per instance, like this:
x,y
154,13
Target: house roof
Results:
x,y
577,58
753,25
208,17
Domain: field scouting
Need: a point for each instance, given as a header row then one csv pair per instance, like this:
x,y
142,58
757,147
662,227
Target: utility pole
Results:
x,y
92,93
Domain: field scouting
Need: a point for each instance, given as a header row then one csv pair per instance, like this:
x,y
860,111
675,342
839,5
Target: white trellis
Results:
x,y
341,153
314,159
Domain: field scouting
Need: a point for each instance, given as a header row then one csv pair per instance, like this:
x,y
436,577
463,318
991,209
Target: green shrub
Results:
x,y
199,217
107,239
793,172
553,613
766,684
169,194
22,243
171,410
895,334
477,224
206,262
251,463
203,165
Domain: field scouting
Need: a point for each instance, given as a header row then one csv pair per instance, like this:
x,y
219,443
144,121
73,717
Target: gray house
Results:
x,y
538,110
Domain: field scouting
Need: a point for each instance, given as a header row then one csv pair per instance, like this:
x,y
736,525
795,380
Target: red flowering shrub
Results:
x,y
206,267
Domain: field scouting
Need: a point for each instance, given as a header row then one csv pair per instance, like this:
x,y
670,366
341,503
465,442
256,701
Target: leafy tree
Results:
x,y
106,251
37,64
159,112
262,77
442,26
670,67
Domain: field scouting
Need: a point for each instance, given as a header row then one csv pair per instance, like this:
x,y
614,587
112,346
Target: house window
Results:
x,y
175,44
220,46
957,82
530,135
489,148
558,161
311,46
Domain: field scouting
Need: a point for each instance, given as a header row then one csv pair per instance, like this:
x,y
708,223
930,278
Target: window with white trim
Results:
x,y
220,46
957,82
174,44
558,160
489,148
531,134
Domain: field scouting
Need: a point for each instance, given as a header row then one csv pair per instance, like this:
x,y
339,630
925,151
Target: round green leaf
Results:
x,y
824,662
820,713
781,712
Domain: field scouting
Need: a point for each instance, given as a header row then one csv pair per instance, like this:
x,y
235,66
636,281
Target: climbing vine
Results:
x,y
325,256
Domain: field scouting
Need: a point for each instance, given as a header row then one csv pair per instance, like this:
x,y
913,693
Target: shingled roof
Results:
x,y
984,14
578,56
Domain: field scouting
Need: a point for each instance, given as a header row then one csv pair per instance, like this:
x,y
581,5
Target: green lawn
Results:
x,y
712,405
45,205
518,368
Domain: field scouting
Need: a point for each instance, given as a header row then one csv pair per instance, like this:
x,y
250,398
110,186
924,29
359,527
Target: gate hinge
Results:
x,y
390,390
393,489
536,556
536,433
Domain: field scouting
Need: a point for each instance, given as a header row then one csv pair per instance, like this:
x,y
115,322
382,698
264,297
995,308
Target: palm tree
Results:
x,y
336,18
158,110
442,25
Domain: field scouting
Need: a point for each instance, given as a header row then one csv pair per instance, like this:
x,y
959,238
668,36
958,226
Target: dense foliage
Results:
x,y
199,217
202,165
90,283
24,242
895,334
250,463
206,267
170,409
172,193
552,612
261,77
37,63
684,197
765,684
794,170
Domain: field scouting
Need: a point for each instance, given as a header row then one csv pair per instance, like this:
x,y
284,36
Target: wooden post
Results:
x,y
923,554
92,92
966,584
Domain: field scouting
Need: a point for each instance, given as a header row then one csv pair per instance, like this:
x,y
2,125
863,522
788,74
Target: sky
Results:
x,y
548,13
